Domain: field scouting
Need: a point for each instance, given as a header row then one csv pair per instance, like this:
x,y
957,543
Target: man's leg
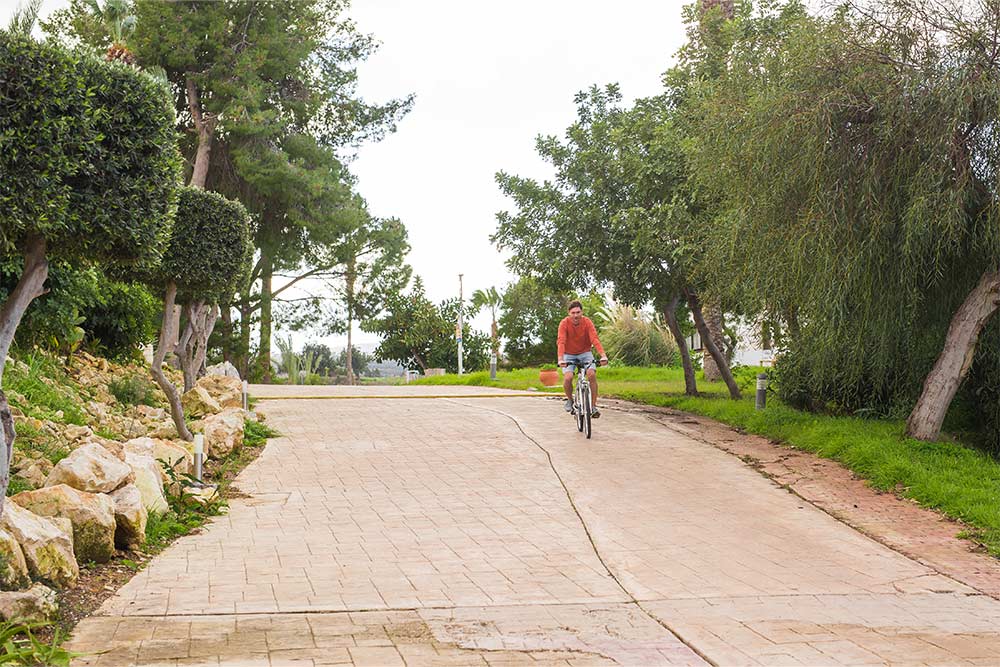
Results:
x,y
592,378
568,382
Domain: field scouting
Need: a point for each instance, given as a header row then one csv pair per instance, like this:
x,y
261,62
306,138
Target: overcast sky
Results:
x,y
488,78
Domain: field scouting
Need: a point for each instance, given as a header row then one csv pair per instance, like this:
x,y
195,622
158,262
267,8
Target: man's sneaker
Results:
x,y
569,405
595,413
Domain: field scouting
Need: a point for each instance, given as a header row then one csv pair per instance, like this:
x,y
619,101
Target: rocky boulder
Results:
x,y
223,432
47,544
163,430
90,468
167,452
130,516
91,514
38,604
13,568
227,391
225,368
150,413
198,403
149,481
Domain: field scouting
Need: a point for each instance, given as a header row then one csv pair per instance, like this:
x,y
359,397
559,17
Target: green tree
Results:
x,y
489,298
208,253
857,156
90,171
416,332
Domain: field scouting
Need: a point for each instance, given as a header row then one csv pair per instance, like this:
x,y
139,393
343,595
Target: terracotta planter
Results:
x,y
549,378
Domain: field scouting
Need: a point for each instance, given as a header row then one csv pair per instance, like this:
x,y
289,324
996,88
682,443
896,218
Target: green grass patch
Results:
x,y
20,646
134,389
257,433
37,384
960,481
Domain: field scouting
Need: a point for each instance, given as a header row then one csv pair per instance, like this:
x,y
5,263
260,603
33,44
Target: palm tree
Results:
x,y
117,17
489,298
22,21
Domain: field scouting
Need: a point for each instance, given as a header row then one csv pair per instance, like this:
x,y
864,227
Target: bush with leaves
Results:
x,y
90,170
634,340
207,257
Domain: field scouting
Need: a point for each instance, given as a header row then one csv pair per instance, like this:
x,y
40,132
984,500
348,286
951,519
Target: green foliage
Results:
x,y
416,333
359,361
210,247
124,318
87,149
45,388
530,313
134,389
256,433
633,340
19,646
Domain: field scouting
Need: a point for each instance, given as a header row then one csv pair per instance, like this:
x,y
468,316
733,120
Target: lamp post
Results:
x,y
459,331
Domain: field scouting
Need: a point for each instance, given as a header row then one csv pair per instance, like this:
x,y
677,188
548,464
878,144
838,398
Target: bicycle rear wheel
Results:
x,y
585,408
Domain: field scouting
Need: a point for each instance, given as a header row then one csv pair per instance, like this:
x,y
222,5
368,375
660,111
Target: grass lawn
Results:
x,y
960,481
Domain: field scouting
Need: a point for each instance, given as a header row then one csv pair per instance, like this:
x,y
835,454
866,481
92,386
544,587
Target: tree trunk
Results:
x,y
706,340
244,352
956,357
204,125
211,317
264,354
167,333
193,346
495,334
716,328
226,315
349,357
30,286
670,314
420,360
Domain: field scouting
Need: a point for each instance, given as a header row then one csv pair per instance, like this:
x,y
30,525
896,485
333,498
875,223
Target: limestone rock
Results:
x,y
198,402
167,452
164,429
35,472
130,516
227,391
90,468
112,446
47,544
149,481
151,413
13,568
223,432
202,494
38,604
74,434
92,516
225,369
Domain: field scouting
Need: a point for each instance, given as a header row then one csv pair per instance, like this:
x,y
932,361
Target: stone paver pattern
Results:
x,y
487,531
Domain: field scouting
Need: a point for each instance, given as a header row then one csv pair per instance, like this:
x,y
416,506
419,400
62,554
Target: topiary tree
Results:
x,y
90,170
208,255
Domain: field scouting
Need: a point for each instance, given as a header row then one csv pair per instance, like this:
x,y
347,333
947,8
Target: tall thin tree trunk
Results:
x,y
204,125
226,316
706,340
244,351
670,314
167,334
264,354
956,357
716,327
349,357
30,286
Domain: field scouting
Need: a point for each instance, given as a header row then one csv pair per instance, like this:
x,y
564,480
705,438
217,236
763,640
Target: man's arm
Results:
x,y
561,343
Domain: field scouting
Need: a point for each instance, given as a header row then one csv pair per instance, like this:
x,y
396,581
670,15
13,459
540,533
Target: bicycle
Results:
x,y
583,398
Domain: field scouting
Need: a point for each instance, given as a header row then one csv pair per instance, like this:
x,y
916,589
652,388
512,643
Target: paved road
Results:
x,y
486,531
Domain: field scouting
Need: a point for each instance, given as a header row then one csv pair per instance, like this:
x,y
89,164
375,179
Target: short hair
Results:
x,y
574,304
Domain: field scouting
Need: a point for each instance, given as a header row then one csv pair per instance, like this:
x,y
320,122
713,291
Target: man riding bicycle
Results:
x,y
577,335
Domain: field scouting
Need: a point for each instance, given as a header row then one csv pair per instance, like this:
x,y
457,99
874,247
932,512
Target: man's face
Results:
x,y
576,314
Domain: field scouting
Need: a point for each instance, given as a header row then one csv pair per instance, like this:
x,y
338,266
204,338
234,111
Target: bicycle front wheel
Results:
x,y
578,409
585,408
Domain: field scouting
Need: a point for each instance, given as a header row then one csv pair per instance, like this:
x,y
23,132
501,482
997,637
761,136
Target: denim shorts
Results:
x,y
572,360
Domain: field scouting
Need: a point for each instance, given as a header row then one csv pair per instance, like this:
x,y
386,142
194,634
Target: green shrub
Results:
x,y
633,340
256,433
134,389
46,389
124,317
19,646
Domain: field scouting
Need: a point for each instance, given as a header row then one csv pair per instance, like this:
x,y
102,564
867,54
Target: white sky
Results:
x,y
488,79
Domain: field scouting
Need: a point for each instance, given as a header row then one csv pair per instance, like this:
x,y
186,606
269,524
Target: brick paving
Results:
x,y
381,531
